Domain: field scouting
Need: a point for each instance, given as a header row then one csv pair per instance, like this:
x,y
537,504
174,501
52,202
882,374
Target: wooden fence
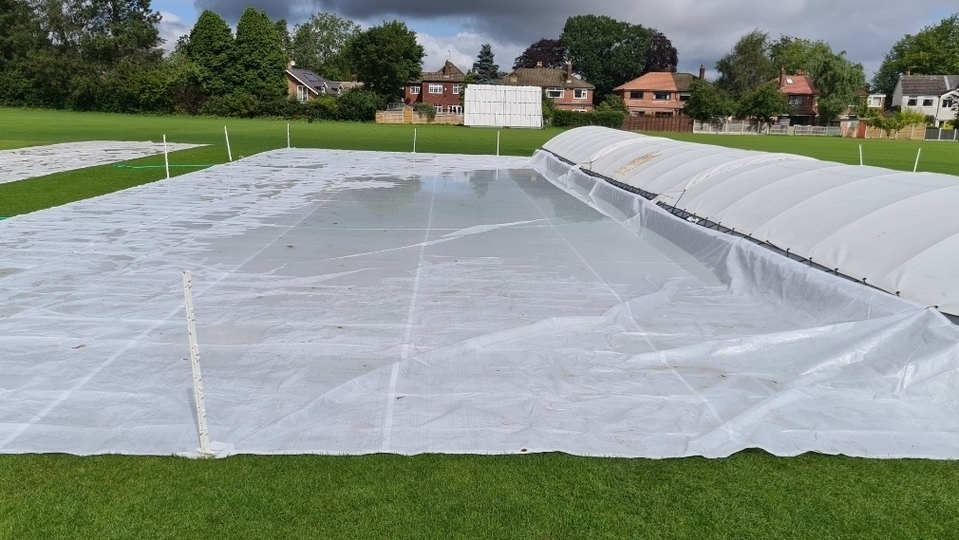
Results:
x,y
652,123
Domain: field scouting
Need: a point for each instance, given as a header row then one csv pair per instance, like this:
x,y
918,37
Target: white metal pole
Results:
x,y
202,430
497,143
229,153
287,134
166,157
916,166
860,155
414,140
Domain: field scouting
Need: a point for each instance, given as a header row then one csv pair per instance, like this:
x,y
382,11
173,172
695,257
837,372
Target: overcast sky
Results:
x,y
702,30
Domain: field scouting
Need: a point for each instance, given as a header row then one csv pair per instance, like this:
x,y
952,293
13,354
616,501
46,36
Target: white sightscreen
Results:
x,y
487,105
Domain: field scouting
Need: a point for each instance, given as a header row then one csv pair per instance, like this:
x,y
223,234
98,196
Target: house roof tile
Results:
x,y
660,80
797,85
448,73
545,78
928,85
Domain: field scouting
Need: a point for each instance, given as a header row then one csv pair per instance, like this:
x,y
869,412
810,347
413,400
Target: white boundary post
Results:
x,y
414,140
860,154
166,157
497,143
202,430
287,134
916,166
229,153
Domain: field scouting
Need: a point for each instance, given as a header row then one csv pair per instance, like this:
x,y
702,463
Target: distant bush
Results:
x,y
608,118
323,108
358,105
426,109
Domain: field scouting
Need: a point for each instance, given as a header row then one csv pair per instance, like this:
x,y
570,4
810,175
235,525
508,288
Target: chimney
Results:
x,y
702,72
569,71
782,76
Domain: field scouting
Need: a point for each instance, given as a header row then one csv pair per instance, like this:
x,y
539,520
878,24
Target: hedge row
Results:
x,y
611,119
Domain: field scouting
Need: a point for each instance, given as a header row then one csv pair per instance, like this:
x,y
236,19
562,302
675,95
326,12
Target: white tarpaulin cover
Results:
x,y
893,230
354,302
23,163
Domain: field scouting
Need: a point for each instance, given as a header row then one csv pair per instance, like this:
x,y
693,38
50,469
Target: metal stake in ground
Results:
x,y
202,430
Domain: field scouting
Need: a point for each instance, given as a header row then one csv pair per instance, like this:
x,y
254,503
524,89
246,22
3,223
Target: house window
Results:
x,y
302,93
554,93
875,101
663,114
455,109
795,101
635,95
439,109
415,89
457,88
947,103
684,96
661,96
912,102
436,88
927,102
580,93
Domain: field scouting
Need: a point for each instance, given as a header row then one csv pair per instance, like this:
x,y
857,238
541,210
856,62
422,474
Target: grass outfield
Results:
x,y
749,495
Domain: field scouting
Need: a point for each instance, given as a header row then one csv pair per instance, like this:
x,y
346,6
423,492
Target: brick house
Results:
x,y
567,91
800,90
440,88
304,85
658,93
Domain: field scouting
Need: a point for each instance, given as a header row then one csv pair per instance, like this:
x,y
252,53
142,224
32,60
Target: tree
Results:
x,y
20,36
605,51
662,56
486,71
286,40
747,66
386,57
319,45
796,54
210,49
763,104
837,82
933,51
707,103
259,62
358,105
549,52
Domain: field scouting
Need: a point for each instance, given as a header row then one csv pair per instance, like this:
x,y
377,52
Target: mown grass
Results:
x,y
749,495
936,156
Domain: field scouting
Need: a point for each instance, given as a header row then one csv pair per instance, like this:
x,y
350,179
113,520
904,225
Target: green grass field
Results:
x,y
547,496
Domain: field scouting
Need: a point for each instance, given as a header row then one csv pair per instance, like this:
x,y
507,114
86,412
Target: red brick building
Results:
x,y
657,94
567,91
800,90
440,88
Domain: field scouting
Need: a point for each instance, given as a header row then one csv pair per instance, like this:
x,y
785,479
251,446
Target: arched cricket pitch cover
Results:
x,y
359,302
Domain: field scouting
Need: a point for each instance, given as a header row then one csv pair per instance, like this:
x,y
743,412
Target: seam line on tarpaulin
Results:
x,y
408,337
84,380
